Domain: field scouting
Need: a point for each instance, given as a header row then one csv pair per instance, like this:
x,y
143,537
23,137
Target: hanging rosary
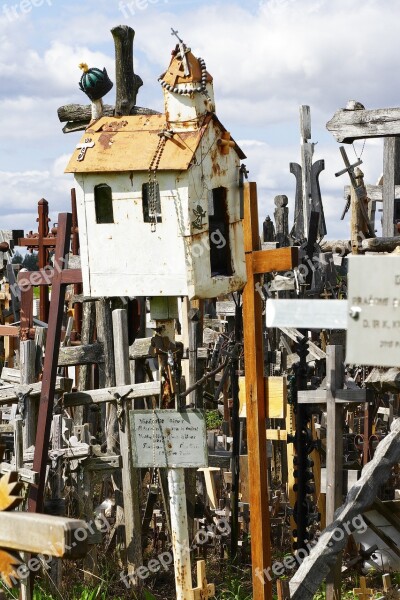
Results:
x,y
153,182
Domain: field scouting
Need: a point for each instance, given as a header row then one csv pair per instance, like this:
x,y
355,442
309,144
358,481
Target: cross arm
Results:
x,y
281,259
350,125
341,396
45,277
52,536
128,392
35,242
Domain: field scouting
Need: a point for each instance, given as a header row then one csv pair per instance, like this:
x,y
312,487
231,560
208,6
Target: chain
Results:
x,y
362,149
153,183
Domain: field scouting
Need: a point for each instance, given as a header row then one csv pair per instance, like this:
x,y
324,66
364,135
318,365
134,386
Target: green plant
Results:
x,y
236,590
213,419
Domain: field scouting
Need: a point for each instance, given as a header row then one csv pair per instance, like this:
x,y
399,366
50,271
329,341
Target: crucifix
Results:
x,y
39,534
59,278
359,200
183,51
257,263
348,125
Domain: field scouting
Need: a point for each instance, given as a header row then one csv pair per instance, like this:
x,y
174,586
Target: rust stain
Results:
x,y
114,125
106,140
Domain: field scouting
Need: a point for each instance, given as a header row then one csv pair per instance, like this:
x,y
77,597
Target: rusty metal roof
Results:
x,y
130,143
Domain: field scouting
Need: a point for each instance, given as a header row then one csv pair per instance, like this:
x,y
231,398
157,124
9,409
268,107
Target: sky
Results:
x,y
267,58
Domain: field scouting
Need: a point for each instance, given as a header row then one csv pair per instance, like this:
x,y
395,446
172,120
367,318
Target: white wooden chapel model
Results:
x,y
158,196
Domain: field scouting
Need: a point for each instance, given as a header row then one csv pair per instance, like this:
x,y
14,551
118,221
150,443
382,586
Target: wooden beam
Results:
x,y
350,125
10,394
54,536
255,403
10,330
129,392
81,355
281,259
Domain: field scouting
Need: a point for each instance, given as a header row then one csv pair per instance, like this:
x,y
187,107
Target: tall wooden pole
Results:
x,y
256,404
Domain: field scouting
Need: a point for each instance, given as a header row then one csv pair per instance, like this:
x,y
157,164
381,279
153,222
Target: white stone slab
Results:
x,y
374,301
307,314
167,438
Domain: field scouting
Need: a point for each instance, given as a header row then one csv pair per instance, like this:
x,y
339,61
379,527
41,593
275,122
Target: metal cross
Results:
x,y
183,50
349,168
88,143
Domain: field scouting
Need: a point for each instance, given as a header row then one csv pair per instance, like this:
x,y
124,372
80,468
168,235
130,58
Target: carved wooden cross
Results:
x,y
59,278
363,592
257,263
40,534
204,590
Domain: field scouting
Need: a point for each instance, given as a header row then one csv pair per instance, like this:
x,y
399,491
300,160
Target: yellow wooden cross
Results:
x,y
38,534
204,590
363,593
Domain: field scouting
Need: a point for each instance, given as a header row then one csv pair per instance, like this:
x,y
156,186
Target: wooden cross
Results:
x,y
204,590
391,592
350,125
358,186
39,534
42,242
257,263
59,279
363,592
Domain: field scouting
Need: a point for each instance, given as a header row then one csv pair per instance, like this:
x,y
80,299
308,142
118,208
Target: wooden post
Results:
x,y
391,178
27,361
127,83
255,403
130,478
307,151
334,455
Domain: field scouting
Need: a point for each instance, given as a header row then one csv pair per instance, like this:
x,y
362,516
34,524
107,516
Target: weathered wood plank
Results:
x,y
140,348
350,125
54,536
9,395
130,392
382,244
81,355
314,569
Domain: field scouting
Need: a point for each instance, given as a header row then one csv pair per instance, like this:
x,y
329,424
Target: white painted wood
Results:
x,y
180,536
307,314
126,258
374,301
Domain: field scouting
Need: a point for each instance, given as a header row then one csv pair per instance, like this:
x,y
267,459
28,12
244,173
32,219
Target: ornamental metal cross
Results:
x,y
183,51
88,143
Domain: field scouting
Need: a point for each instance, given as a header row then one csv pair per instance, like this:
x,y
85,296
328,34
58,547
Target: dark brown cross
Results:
x,y
59,278
42,241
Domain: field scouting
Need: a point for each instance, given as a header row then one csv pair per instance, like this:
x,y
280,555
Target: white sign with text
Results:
x,y
373,332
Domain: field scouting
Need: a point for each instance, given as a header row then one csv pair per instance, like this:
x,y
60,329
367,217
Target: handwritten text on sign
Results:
x,y
167,438
373,334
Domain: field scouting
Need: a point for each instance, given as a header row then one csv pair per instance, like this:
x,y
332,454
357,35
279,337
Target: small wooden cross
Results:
x,y
363,593
204,590
390,590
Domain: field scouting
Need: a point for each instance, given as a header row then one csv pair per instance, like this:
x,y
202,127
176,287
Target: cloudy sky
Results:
x,y
267,58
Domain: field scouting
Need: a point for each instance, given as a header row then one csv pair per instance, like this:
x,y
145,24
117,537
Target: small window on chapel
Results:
x,y
218,218
151,202
103,203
